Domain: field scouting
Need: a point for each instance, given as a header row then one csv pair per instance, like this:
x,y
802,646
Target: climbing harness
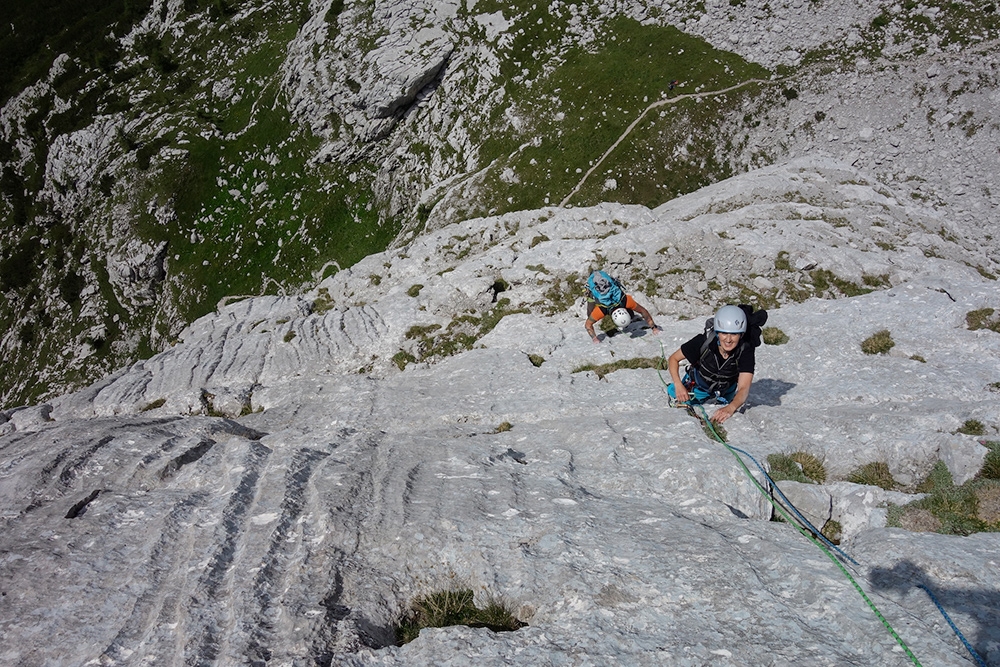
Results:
x,y
815,536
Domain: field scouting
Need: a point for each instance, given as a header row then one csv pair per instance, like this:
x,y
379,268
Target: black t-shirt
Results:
x,y
744,363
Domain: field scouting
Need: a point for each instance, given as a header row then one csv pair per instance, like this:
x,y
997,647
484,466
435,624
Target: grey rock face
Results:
x,y
138,526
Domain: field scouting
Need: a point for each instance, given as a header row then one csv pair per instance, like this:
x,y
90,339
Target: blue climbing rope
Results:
x,y
899,640
958,633
810,532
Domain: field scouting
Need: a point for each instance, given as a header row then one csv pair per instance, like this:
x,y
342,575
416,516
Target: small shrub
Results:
x,y
972,427
536,360
454,607
289,336
375,279
878,343
504,427
323,301
773,336
917,357
414,290
875,473
938,479
541,238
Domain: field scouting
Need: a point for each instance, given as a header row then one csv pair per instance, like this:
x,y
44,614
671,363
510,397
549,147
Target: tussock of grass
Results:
x,y
504,427
642,362
536,360
879,342
797,466
972,427
991,464
782,468
773,336
875,473
454,607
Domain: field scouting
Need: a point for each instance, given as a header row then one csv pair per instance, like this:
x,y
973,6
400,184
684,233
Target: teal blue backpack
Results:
x,y
606,290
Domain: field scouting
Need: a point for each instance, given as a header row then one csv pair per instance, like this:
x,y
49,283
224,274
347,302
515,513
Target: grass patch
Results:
x,y
783,467
773,336
875,473
954,510
158,403
972,427
503,427
879,342
601,370
454,607
414,290
797,466
833,531
433,341
580,108
982,319
991,464
536,360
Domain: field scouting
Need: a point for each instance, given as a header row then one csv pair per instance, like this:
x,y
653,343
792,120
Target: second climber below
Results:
x,y
609,298
721,362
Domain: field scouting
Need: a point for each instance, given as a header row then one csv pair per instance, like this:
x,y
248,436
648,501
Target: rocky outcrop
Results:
x,y
274,488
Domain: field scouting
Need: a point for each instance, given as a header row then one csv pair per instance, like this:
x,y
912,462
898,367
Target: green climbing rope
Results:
x,y
708,422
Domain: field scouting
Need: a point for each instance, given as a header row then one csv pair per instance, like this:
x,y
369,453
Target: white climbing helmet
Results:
x,y
621,317
730,319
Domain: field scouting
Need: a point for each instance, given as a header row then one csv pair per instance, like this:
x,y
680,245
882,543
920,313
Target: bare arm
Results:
x,y
589,326
742,392
646,316
674,366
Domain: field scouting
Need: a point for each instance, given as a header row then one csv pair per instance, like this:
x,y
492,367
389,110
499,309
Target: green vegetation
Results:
x,y
503,427
455,607
955,510
972,427
875,473
581,108
832,530
433,341
982,319
602,370
536,360
773,336
879,342
158,403
414,290
797,466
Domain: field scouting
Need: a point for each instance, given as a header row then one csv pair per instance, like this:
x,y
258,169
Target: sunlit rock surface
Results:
x,y
274,490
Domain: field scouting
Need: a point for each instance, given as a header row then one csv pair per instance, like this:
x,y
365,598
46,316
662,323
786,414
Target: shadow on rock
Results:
x,y
983,606
769,392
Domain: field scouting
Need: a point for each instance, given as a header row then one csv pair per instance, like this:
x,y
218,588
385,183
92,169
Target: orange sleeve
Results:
x,y
630,303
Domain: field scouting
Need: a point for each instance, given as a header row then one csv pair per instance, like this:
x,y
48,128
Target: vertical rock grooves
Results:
x,y
210,602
